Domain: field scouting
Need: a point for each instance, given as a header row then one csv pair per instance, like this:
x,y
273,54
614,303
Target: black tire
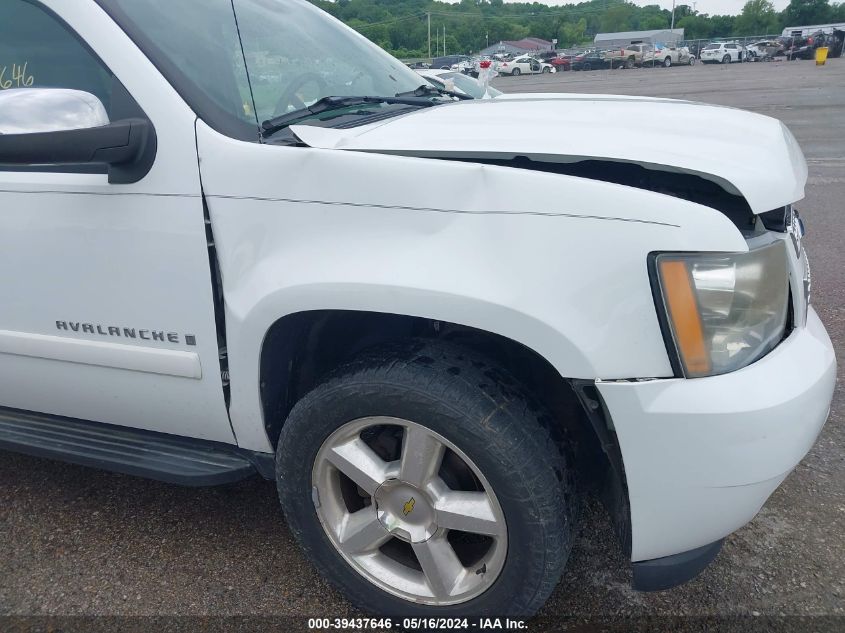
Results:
x,y
516,72
691,61
546,69
629,63
726,59
667,62
478,407
588,66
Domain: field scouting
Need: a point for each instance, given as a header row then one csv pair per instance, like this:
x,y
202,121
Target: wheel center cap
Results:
x,y
405,511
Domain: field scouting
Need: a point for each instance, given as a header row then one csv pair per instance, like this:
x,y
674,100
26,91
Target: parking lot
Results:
x,y
75,541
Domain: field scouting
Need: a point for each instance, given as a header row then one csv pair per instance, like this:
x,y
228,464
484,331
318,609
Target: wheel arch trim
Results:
x,y
247,333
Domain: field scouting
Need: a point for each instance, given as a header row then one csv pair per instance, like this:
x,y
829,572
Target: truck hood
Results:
x,y
747,154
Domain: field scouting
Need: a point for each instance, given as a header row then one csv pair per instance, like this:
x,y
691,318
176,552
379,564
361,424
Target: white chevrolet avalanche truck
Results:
x,y
236,237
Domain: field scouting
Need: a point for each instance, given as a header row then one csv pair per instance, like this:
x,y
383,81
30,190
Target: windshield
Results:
x,y
289,55
297,54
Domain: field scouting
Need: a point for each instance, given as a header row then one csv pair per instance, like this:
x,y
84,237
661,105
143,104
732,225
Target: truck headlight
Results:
x,y
724,310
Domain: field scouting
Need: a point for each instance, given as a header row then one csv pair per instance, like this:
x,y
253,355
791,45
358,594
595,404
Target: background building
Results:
x,y
623,38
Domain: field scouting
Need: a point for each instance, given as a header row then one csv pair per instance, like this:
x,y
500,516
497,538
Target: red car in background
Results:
x,y
561,62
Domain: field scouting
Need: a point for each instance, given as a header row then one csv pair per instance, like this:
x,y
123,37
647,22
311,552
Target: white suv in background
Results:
x,y
723,53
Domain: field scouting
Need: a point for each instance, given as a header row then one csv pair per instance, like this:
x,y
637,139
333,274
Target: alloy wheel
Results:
x,y
409,511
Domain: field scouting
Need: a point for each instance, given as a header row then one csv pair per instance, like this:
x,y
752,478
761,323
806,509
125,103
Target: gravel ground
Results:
x,y
81,542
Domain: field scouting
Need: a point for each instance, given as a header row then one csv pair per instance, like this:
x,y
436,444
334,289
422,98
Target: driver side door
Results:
x,y
107,308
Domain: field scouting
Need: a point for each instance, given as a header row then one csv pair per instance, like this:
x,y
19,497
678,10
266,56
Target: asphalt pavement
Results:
x,y
77,541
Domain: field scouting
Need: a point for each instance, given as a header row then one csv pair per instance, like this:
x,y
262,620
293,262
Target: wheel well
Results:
x,y
300,349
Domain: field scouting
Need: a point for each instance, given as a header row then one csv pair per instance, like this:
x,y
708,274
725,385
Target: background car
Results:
x,y
630,56
591,60
454,81
805,48
723,53
465,66
525,65
447,61
559,59
561,62
672,55
545,56
764,49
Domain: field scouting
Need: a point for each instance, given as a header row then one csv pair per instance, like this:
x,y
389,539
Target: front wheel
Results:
x,y
546,69
667,62
691,61
423,482
629,63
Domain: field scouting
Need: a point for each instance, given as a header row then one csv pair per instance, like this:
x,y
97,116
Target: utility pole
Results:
x,y
673,16
444,40
429,34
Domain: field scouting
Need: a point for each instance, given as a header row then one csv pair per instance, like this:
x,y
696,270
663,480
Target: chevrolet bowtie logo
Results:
x,y
409,506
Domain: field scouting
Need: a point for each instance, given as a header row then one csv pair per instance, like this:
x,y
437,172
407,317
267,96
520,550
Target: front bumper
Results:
x,y
670,571
702,455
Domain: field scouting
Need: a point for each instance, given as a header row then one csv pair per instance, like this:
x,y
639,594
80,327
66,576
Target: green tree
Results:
x,y
758,17
573,33
696,27
652,23
722,25
652,17
805,12
682,11
618,18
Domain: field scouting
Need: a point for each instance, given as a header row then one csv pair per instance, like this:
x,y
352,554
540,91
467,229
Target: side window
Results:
x,y
206,58
38,51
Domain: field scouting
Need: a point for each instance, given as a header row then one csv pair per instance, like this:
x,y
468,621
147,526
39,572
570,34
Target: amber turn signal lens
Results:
x,y
684,317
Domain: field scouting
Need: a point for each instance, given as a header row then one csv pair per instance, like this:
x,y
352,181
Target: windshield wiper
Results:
x,y
327,104
434,91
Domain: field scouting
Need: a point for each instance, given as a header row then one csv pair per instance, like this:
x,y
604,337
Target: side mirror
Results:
x,y
51,126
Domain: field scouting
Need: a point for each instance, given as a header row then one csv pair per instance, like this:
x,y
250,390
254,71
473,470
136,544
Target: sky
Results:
x,y
713,7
